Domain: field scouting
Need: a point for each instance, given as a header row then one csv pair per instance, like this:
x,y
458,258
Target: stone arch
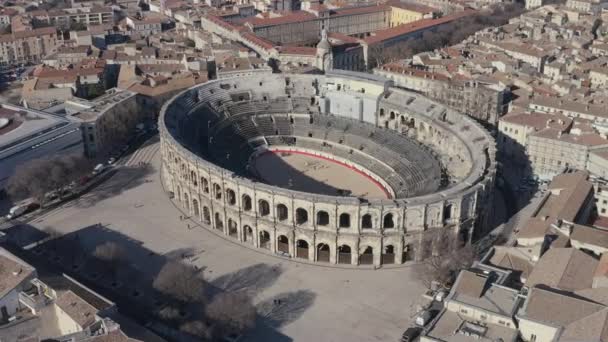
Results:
x,y
232,228
230,197
344,254
388,221
367,221
264,239
366,257
217,190
322,218
323,252
282,212
447,212
263,207
219,223
344,220
193,178
301,216
187,202
381,111
179,193
283,244
302,249
206,215
196,208
388,255
247,233
246,202
392,115
205,184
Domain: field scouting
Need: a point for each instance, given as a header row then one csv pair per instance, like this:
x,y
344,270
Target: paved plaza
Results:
x,y
321,303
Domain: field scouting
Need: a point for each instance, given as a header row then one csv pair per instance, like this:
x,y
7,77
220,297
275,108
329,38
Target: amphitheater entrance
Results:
x,y
232,228
344,255
264,239
367,257
388,256
323,252
247,234
302,249
283,244
307,172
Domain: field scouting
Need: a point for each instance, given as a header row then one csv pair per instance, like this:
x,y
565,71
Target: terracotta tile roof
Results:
x,y
12,273
257,40
27,34
359,10
563,310
563,268
590,235
419,25
292,17
298,50
412,7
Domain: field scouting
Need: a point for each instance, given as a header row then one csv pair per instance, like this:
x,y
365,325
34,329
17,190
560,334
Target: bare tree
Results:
x,y
37,177
181,282
232,312
112,254
198,329
444,256
168,313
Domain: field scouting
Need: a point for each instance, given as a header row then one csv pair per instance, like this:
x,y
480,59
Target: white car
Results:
x,y
111,160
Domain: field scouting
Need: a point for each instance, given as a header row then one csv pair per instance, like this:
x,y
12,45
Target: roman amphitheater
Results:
x,y
341,168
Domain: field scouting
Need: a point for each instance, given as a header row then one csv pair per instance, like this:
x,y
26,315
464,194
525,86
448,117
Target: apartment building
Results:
x,y
27,46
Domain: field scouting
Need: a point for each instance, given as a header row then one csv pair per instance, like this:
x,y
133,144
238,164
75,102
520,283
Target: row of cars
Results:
x,y
426,315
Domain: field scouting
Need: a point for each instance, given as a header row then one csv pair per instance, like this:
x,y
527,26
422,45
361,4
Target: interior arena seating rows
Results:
x,y
393,157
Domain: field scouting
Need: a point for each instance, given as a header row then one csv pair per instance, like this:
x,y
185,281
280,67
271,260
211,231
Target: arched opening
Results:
x,y
217,190
408,252
219,224
246,202
263,208
193,178
248,234
283,244
206,215
205,184
392,115
388,221
301,216
447,212
366,221
196,209
322,218
402,120
344,220
282,212
230,196
232,228
187,202
323,252
302,249
264,239
179,193
381,111
367,257
388,255
344,255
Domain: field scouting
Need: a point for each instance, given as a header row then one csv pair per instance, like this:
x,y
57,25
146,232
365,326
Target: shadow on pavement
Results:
x,y
129,283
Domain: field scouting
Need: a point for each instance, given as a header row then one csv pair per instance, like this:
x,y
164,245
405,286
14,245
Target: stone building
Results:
x,y
210,181
27,46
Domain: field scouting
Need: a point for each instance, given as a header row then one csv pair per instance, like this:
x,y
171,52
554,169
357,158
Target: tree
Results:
x,y
198,329
180,281
232,312
112,254
444,256
37,177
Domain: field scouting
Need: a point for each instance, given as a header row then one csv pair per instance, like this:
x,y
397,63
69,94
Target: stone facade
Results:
x,y
330,229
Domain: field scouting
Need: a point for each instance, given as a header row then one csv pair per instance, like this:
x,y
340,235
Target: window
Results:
x,y
532,338
464,311
322,218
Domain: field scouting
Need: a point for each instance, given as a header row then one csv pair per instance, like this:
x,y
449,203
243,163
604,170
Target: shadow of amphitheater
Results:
x,y
130,283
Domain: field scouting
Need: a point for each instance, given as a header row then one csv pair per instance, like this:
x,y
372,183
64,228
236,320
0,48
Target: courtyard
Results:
x,y
319,303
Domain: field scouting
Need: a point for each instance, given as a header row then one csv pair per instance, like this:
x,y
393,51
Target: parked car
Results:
x,y
112,160
425,317
98,169
440,295
410,334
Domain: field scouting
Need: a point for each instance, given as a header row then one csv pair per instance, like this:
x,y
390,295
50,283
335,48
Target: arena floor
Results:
x,y
308,173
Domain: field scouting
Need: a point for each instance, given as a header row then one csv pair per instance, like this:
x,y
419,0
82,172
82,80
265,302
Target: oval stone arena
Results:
x,y
342,168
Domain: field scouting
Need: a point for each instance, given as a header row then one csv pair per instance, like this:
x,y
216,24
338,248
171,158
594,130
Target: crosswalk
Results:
x,y
144,154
